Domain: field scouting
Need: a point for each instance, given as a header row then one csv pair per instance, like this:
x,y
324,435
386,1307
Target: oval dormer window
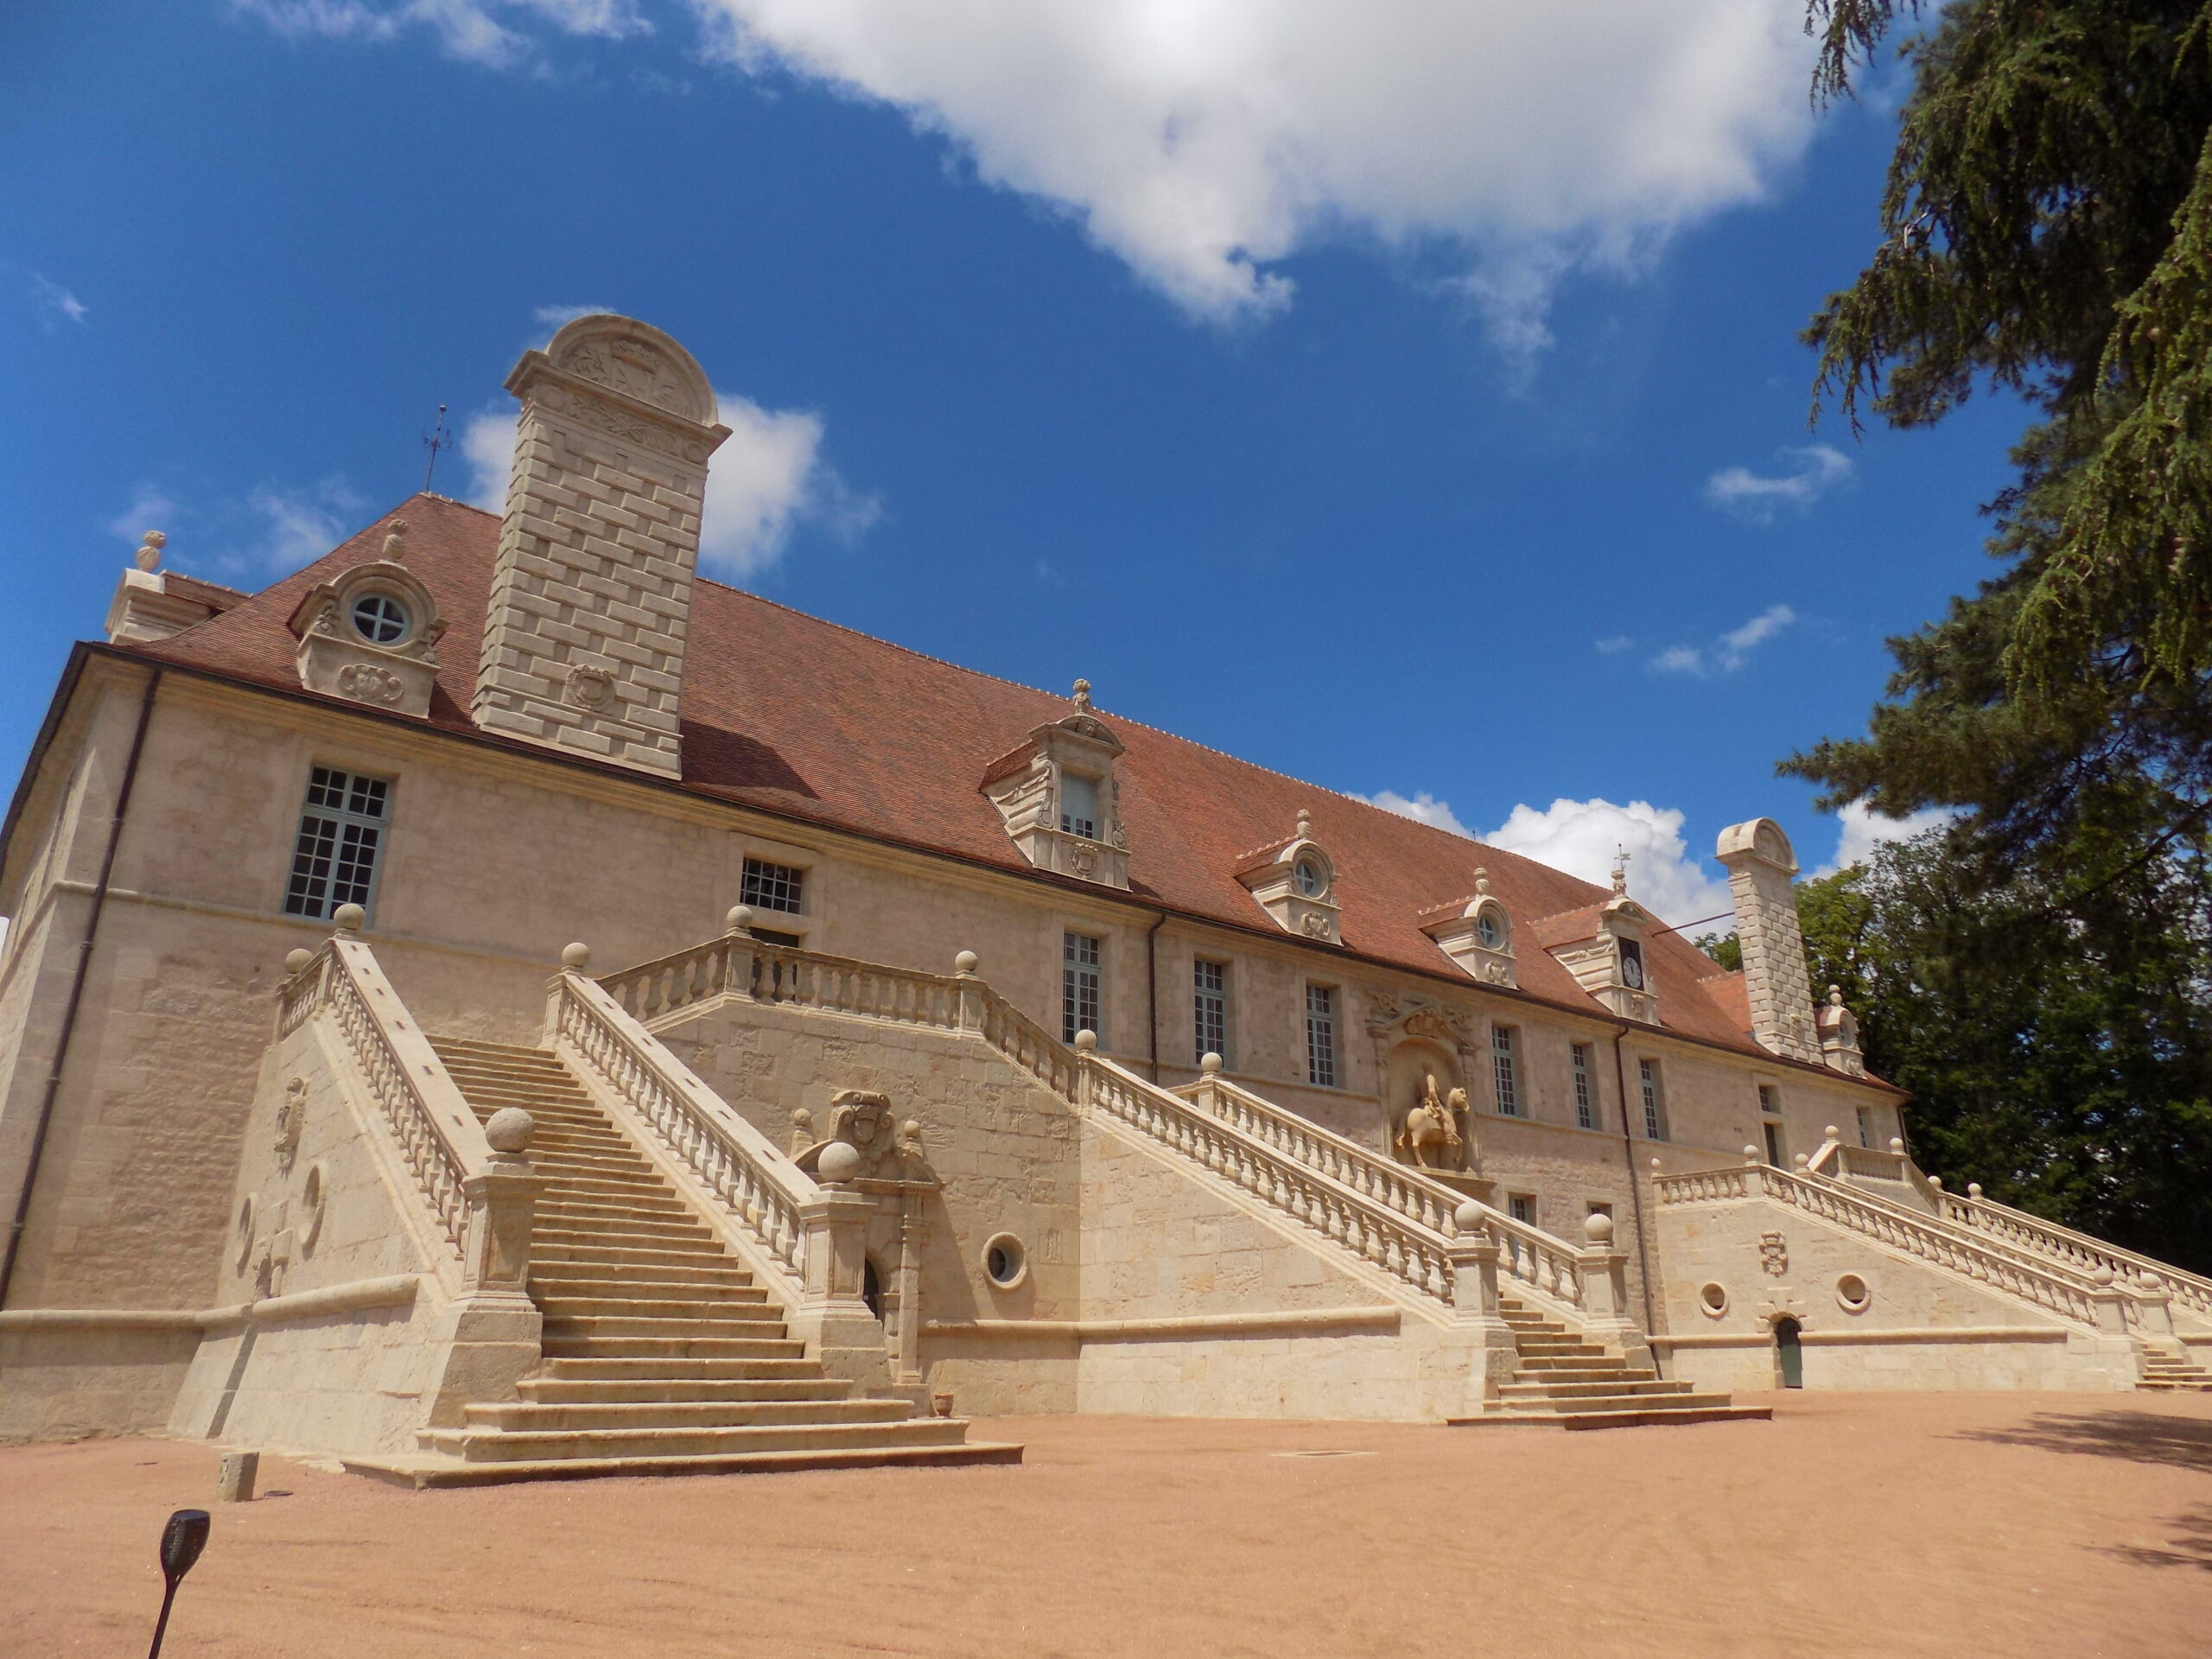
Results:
x,y
1488,930
1310,881
380,619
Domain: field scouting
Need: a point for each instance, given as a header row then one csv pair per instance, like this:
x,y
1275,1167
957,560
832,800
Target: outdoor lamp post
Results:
x,y
182,1539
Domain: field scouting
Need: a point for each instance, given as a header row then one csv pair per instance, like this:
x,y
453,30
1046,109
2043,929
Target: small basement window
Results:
x,y
342,833
773,887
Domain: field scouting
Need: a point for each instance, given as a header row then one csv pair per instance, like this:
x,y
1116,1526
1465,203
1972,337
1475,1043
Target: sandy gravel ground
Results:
x,y
1869,1524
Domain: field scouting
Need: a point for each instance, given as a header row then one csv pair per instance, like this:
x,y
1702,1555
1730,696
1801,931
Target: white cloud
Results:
x,y
1616,644
553,317
1755,498
151,508
768,478
1730,652
1204,141
1861,830
1424,808
299,526
1582,837
46,299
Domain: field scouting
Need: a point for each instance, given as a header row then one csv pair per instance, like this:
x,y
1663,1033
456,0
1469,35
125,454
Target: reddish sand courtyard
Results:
x,y
1863,1525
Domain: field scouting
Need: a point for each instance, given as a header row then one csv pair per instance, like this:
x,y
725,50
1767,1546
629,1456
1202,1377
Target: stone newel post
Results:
x,y
493,1327
1475,1322
831,1319
1604,1291
502,1206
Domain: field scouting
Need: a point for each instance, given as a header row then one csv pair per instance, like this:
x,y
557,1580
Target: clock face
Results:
x,y
1631,971
1308,875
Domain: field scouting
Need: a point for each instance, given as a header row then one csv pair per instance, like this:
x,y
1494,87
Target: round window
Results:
x,y
380,619
1488,930
1005,1261
1308,874
1712,1300
1851,1291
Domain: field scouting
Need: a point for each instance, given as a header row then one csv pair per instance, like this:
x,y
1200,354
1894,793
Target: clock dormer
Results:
x,y
1295,882
1058,795
1476,933
1604,949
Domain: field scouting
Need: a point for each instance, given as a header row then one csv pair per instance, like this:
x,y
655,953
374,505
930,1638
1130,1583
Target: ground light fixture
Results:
x,y
182,1539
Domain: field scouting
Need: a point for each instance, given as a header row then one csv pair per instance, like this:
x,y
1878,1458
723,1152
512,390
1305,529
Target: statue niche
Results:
x,y
1429,1136
1428,1106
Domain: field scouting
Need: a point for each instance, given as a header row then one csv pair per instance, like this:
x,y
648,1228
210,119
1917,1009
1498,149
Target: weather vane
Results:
x,y
434,441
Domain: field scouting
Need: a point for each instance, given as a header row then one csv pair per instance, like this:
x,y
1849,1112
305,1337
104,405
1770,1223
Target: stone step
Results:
x,y
1599,1362
631,1305
1611,1385
568,1230
424,1472
591,1213
548,1418
557,1391
668,1348
685,1326
1643,1417
668,1369
477,1447
691,1290
1683,1401
556,1246
1577,1374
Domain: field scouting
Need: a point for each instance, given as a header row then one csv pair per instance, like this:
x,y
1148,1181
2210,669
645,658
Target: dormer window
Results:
x,y
1476,933
380,619
1079,805
1058,796
1294,881
369,634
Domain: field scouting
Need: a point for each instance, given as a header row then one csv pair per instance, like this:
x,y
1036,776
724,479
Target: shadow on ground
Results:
x,y
2190,1547
2137,1436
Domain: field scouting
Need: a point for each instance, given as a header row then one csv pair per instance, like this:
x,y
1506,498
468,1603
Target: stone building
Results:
x,y
496,1002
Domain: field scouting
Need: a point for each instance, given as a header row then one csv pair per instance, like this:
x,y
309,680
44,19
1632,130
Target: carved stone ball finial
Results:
x,y
1598,1229
1830,1132
1897,1144
838,1164
1800,1161
349,920
1750,1154
1210,1064
964,965
1082,695
508,1130
296,959
1974,1189
575,957
150,550
1936,1181
395,540
739,919
1469,1219
1654,1166
1835,996
1086,1040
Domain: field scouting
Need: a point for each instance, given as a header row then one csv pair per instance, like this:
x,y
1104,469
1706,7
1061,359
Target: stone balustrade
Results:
x,y
481,1189
2077,1251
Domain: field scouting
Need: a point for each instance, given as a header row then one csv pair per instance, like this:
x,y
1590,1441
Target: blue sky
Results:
x,y
1407,397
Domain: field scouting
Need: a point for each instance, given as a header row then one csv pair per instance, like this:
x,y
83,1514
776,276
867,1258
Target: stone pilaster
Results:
x,y
591,598
1762,869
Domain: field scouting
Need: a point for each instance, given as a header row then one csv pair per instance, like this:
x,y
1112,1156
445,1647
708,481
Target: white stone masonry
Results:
x,y
591,597
1761,871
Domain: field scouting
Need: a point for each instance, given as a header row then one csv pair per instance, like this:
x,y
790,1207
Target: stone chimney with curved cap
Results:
x,y
1762,871
591,597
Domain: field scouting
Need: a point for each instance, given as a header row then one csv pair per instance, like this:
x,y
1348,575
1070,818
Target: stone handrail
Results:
x,y
435,1130
1537,1261
755,1181
1396,1218
2054,1289
1415,1254
2078,1251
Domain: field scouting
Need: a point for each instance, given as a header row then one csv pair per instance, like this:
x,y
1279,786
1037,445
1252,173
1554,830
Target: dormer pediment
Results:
x,y
1476,932
1295,882
370,634
1058,795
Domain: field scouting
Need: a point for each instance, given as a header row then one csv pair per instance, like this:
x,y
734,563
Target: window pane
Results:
x,y
1647,1070
772,886
1321,1035
1585,1109
1500,1056
1210,1008
1079,987
335,858
1079,805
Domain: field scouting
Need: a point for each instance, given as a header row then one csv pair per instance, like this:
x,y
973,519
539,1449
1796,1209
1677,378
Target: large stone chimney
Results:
x,y
1760,870
591,598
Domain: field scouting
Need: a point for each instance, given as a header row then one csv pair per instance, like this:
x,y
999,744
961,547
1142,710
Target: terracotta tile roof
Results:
x,y
800,716
1571,927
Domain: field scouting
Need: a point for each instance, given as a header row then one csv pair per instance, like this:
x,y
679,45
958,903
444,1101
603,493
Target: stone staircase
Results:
x,y
2168,1374
1567,1382
661,1355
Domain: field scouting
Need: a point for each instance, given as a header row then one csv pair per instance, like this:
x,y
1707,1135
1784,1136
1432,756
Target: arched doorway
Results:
x,y
871,1287
1788,1355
